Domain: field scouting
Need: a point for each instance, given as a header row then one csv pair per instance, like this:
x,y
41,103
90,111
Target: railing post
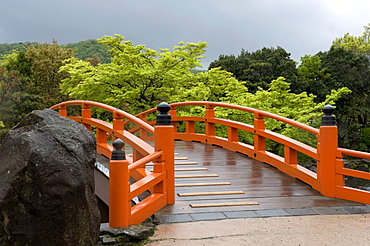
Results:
x,y
259,141
63,111
119,187
327,151
173,113
210,127
233,134
164,140
118,124
142,133
86,114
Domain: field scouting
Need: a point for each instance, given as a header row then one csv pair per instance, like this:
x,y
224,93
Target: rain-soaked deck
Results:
x,y
248,188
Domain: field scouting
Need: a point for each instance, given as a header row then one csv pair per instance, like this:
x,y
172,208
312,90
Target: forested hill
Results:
x,y
82,50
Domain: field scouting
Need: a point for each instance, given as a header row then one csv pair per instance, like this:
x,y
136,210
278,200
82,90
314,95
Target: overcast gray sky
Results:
x,y
299,26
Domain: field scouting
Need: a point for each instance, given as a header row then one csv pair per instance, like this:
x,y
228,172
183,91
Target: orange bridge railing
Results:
x,y
330,175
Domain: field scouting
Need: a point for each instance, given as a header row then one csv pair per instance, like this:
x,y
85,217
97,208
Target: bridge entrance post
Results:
x,y
164,140
327,151
119,187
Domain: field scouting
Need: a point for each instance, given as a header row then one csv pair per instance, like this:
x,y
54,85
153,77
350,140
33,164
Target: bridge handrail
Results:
x,y
241,108
116,112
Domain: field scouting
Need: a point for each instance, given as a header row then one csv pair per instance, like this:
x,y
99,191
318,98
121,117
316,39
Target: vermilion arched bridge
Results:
x,y
141,182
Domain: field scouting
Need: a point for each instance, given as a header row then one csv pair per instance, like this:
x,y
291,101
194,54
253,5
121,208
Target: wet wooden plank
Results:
x,y
211,193
202,184
223,204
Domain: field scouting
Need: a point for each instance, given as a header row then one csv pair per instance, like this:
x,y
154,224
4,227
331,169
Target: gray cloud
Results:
x,y
300,27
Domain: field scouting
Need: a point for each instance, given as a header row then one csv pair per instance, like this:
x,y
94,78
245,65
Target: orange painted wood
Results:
x,y
353,173
164,141
119,204
146,208
145,184
328,139
353,194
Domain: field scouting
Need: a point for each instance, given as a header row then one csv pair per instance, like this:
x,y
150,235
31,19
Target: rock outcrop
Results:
x,y
47,183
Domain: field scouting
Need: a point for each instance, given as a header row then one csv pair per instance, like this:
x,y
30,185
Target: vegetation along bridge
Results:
x,y
231,181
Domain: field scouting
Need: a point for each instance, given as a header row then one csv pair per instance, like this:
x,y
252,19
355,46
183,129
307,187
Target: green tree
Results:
x,y
312,77
90,48
259,68
45,61
359,45
16,99
351,70
139,78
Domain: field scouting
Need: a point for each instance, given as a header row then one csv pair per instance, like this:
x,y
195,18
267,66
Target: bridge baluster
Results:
x,y
119,187
210,114
173,113
118,124
259,141
142,133
86,114
63,110
164,140
233,134
290,156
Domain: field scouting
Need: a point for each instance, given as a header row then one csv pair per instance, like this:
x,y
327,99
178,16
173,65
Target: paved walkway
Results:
x,y
315,230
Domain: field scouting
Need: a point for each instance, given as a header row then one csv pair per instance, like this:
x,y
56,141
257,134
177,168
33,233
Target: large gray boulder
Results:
x,y
47,183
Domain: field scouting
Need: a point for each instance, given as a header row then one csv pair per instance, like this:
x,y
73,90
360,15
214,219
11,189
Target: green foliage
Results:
x,y
351,70
45,61
311,76
30,80
139,78
365,136
258,68
88,49
359,45
16,99
6,49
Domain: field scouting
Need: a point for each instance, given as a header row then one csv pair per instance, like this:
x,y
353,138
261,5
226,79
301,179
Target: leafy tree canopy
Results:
x,y
359,45
258,68
139,78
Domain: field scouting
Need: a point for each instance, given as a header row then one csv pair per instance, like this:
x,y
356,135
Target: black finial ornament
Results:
x,y
328,119
164,118
118,153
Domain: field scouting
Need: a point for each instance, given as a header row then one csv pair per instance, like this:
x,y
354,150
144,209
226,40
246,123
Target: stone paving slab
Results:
x,y
191,217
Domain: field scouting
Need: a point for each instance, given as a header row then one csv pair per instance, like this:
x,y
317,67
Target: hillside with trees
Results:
x,y
82,50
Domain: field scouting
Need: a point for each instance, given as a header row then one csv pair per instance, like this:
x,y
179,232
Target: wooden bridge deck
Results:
x,y
276,193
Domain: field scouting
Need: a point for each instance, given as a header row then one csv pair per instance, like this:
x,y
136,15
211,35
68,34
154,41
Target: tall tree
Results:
x,y
139,78
312,77
358,45
45,61
352,70
259,68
